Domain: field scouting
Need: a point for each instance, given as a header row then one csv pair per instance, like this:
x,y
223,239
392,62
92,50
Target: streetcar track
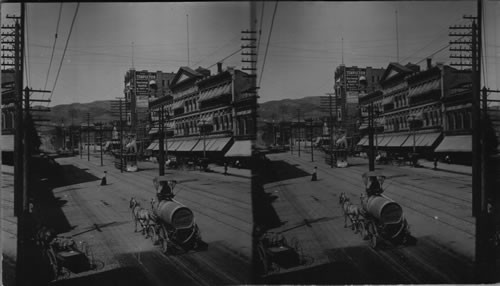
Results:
x,y
349,179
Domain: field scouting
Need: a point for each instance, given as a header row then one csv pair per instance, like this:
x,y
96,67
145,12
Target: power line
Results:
x,y
268,40
232,54
260,28
65,47
53,46
27,54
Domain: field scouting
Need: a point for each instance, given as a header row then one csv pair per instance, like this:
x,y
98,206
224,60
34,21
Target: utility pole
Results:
x,y
100,140
88,136
312,136
122,162
298,123
330,111
161,159
371,157
80,147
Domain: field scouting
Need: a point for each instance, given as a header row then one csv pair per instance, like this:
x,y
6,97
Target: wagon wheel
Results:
x,y
54,268
372,230
164,241
362,229
153,234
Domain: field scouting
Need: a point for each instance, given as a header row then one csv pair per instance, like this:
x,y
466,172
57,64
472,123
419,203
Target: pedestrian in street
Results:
x,y
225,168
103,180
435,163
315,174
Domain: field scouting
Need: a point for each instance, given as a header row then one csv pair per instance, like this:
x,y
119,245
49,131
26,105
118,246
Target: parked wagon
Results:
x,y
382,219
173,225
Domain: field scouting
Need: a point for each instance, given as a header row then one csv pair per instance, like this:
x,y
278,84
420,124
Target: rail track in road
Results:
x,y
223,262
353,177
431,261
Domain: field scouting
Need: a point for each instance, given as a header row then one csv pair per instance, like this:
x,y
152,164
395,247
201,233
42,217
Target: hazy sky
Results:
x,y
100,48
306,41
304,50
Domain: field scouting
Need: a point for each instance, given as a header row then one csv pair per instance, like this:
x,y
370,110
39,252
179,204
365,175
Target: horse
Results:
x,y
139,215
351,212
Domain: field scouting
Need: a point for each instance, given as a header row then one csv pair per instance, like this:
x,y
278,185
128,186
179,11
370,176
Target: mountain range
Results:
x,y
100,111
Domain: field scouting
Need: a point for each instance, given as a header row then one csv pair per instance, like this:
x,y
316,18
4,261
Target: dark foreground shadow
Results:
x,y
281,171
427,262
73,175
126,276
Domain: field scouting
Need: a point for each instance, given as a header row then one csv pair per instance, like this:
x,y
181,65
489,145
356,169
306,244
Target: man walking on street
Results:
x,y
225,168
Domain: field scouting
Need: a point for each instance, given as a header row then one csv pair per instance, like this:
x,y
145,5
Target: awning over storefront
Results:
x,y
174,144
153,145
153,130
428,139
215,92
7,143
219,144
187,145
388,100
241,148
384,140
396,140
458,143
409,142
363,141
177,104
424,88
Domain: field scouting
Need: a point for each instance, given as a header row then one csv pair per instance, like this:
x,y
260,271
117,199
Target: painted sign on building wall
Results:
x,y
352,75
142,79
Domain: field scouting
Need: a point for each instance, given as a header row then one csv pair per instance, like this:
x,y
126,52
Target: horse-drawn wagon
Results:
x,y
169,224
378,218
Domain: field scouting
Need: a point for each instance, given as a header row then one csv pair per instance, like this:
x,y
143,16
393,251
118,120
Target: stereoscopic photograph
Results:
x,y
250,143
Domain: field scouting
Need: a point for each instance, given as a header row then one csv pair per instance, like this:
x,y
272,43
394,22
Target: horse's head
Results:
x,y
342,198
133,203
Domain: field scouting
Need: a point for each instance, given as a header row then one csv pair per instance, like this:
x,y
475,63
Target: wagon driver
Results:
x,y
374,187
164,191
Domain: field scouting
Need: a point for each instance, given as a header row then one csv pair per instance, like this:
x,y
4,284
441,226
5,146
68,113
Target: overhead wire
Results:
x,y
27,52
64,52
53,46
268,41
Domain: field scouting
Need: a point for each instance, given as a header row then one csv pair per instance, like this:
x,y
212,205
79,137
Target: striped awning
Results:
x,y
241,148
363,141
153,130
187,145
388,100
397,140
7,143
215,92
178,104
153,145
425,88
219,144
458,143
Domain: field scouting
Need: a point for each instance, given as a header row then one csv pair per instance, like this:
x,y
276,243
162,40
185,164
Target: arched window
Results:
x,y
467,121
458,121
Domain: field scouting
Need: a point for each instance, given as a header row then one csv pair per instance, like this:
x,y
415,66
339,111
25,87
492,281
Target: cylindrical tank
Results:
x,y
175,214
384,209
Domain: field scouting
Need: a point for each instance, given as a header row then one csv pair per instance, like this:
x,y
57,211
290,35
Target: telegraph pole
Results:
x,y
121,138
298,124
371,157
312,149
88,136
161,159
330,110
100,140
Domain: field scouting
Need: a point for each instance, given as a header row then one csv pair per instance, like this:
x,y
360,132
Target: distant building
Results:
x,y
418,108
351,83
206,115
140,88
8,116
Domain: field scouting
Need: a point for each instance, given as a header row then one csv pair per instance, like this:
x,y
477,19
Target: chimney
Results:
x,y
429,63
219,67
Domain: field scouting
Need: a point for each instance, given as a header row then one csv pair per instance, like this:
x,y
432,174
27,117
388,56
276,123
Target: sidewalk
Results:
x,y
231,171
453,168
